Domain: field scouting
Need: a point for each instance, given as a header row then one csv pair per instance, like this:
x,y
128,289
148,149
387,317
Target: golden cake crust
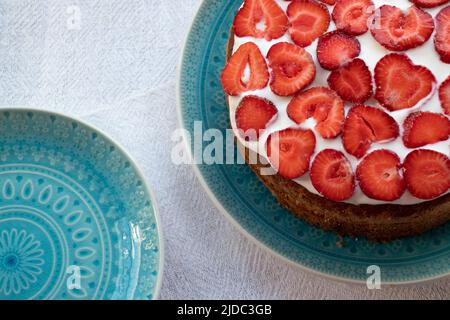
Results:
x,y
375,222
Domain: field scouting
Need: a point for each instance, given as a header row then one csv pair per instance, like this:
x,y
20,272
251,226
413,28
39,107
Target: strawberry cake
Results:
x,y
347,104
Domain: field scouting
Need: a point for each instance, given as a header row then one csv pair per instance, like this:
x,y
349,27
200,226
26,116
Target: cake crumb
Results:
x,y
340,242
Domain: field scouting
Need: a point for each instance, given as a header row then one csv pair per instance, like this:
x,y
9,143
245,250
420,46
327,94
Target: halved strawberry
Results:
x,y
309,20
379,176
332,175
444,96
352,81
352,16
400,83
422,128
329,2
365,125
253,115
336,48
442,37
429,3
292,68
290,151
324,105
397,30
260,19
245,71
427,173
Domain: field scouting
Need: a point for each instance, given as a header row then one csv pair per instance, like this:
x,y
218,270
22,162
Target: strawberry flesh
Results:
x,y
332,175
329,2
429,3
444,96
292,68
397,30
290,151
336,48
379,176
427,173
260,19
400,83
442,37
309,20
353,81
246,58
253,115
422,128
352,17
324,105
365,125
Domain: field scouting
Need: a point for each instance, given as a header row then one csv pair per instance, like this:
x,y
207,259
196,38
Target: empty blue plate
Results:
x,y
77,220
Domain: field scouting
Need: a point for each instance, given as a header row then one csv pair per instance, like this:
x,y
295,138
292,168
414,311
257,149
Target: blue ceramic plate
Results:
x,y
239,193
77,220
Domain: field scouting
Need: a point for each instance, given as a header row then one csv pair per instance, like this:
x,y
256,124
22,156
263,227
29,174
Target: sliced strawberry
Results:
x,y
332,175
336,48
324,105
309,20
427,173
365,125
292,68
290,151
442,37
422,128
352,81
253,115
329,2
400,83
444,96
398,30
352,16
245,71
429,3
260,19
379,176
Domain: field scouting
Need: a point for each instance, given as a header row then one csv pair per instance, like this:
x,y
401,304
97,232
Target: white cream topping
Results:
x,y
371,53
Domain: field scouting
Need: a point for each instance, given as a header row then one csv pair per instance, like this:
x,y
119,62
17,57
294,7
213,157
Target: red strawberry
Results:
x,y
427,173
365,125
332,175
309,20
398,30
400,83
429,3
292,68
336,48
352,16
352,81
329,2
422,128
290,151
442,37
253,115
324,105
260,19
444,96
379,176
234,78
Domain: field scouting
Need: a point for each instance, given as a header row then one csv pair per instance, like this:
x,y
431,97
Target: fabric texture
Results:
x,y
113,63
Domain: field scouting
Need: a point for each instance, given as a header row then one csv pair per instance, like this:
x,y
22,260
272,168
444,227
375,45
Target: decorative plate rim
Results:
x,y
228,216
133,163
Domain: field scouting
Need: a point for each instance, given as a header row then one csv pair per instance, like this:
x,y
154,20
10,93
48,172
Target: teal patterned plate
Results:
x,y
243,198
77,220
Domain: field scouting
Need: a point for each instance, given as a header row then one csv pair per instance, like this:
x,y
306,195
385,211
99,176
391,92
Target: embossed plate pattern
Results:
x,y
76,218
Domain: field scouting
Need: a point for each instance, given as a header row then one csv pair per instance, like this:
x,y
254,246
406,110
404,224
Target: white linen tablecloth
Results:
x,y
113,63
